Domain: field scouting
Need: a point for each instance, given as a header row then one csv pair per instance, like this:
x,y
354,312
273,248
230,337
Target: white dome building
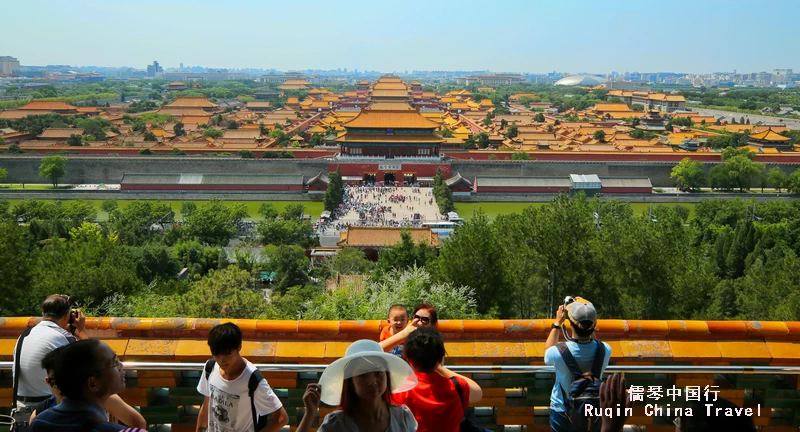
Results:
x,y
581,80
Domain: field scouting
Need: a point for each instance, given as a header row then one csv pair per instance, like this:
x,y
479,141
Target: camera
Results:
x,y
568,300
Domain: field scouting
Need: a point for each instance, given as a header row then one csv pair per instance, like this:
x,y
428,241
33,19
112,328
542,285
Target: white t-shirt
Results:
x,y
400,420
44,338
229,402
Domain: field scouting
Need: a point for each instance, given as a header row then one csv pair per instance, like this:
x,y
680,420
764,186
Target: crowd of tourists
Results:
x,y
67,382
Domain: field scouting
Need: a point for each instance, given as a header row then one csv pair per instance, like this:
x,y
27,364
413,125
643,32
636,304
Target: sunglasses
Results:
x,y
422,319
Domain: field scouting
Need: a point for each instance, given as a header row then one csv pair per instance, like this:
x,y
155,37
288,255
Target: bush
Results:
x,y
246,154
145,151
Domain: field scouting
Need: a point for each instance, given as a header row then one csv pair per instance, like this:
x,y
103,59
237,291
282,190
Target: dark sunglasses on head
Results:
x,y
422,319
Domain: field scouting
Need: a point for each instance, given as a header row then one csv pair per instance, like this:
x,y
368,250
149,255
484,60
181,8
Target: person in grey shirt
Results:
x,y
58,317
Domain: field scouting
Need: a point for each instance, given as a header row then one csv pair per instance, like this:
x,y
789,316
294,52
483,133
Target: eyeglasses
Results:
x,y
117,364
423,319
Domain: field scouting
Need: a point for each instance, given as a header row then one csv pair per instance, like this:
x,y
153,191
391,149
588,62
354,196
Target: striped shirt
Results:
x,y
44,338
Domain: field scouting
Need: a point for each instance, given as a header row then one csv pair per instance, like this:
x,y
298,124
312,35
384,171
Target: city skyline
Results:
x,y
529,38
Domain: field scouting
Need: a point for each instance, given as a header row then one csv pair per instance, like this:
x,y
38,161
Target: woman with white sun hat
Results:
x,y
361,384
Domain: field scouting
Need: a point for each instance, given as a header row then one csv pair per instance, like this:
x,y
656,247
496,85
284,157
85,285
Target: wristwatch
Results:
x,y
555,326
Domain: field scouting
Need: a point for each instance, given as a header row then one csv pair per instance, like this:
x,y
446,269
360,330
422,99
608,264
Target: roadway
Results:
x,y
730,115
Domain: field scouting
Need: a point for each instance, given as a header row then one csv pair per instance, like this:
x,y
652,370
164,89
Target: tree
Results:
x,y
442,193
512,131
483,140
215,223
689,174
223,293
334,194
472,257
487,121
3,174
469,143
539,117
178,129
18,269
212,133
793,183
109,206
14,149
290,265
637,107
75,140
520,155
145,152
293,211
268,211
404,255
246,154
53,168
349,261
287,232
447,133
777,179
600,135
178,152
232,124
736,172
503,123
150,136
316,140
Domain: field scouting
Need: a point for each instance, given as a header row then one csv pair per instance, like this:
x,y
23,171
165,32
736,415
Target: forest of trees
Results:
x,y
734,259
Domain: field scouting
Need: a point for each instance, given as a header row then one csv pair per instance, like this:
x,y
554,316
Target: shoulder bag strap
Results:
x,y
17,369
569,360
599,359
252,386
460,392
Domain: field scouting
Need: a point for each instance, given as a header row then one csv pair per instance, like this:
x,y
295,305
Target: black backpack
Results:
x,y
259,422
584,390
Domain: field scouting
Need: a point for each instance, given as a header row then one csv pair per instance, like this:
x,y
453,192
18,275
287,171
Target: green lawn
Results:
x,y
31,186
311,207
494,209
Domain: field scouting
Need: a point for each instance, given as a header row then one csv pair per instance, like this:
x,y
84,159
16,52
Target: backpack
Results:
x,y
584,390
259,422
466,425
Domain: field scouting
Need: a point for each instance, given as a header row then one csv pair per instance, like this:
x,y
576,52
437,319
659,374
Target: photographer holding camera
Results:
x,y
61,325
579,363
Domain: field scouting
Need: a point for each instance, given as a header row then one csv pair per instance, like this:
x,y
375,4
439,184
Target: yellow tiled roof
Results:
x,y
390,119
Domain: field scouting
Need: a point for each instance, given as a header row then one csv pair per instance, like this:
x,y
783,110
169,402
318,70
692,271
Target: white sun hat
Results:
x,y
364,356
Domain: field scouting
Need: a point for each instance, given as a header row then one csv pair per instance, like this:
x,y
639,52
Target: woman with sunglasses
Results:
x,y
424,315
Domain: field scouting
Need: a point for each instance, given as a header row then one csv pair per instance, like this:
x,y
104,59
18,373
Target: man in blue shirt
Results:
x,y
583,318
87,373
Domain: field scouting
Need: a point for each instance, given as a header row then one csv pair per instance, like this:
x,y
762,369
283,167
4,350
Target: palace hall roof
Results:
x,y
390,119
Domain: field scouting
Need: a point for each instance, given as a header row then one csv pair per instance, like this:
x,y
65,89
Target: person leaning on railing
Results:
x,y
61,325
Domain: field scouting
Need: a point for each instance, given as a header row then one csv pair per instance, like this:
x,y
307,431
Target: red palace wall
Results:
x,y
630,190
419,170
621,156
461,188
194,187
506,189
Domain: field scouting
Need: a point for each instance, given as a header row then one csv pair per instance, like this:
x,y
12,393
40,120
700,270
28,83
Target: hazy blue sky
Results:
x,y
396,35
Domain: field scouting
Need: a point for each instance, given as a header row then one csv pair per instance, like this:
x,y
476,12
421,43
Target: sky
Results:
x,y
574,36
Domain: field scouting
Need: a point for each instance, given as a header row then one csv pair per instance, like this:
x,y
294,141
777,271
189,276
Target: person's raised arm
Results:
x,y
311,404
552,338
475,391
279,419
398,338
202,416
124,412
80,326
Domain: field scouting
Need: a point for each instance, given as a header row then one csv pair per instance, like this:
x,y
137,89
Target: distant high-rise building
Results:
x,y
8,65
181,65
154,69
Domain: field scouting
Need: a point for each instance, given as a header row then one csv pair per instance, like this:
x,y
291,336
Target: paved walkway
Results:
x,y
730,115
387,206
